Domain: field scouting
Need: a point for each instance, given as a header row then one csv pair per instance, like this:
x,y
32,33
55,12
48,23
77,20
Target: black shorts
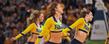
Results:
x,y
31,43
75,41
52,43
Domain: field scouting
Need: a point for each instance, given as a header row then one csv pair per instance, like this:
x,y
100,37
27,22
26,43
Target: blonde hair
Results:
x,y
34,15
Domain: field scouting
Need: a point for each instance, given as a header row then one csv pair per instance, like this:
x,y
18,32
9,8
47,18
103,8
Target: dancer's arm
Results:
x,y
28,29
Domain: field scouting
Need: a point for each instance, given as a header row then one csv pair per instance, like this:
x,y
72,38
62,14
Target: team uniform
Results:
x,y
82,29
34,30
52,32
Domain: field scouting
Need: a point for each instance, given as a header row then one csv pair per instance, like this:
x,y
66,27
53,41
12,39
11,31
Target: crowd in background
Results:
x,y
14,14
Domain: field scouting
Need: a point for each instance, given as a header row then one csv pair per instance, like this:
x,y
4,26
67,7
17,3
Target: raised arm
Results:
x,y
28,29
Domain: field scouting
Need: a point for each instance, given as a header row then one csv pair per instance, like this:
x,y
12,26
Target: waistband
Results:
x,y
83,30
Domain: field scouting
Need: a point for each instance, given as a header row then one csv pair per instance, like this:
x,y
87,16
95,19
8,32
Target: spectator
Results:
x,y
100,5
2,38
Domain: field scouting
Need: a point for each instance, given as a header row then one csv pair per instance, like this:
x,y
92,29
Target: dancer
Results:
x,y
81,27
34,28
52,27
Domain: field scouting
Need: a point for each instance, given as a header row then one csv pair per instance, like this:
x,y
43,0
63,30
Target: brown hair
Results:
x,y
53,6
84,13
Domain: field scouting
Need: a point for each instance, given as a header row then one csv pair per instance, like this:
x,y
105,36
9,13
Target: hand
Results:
x,y
13,39
68,34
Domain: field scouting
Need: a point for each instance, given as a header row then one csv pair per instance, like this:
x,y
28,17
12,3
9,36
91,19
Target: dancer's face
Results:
x,y
90,16
59,9
41,17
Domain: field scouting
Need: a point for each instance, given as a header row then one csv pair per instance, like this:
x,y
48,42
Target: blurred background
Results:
x,y
14,14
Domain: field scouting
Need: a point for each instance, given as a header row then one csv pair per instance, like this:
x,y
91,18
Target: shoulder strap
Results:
x,y
54,19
